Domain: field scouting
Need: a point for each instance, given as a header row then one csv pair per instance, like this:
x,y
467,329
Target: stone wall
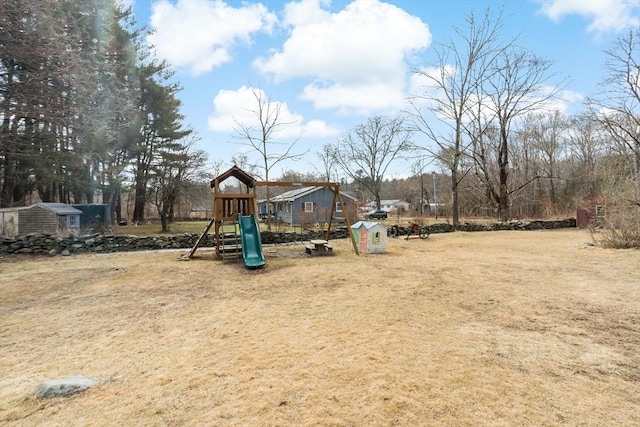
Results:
x,y
520,225
41,244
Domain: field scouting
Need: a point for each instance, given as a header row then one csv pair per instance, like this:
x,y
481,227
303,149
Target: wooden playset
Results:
x,y
235,221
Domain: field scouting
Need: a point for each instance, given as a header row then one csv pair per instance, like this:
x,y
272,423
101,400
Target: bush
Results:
x,y
619,227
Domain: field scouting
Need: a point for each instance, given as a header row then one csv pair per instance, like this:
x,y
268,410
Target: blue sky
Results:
x,y
332,64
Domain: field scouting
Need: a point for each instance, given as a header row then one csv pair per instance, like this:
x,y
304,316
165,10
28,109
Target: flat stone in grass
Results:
x,y
63,387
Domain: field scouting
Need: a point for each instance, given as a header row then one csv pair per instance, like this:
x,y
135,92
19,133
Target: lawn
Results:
x,y
478,329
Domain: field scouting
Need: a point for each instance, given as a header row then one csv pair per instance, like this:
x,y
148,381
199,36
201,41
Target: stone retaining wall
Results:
x,y
40,244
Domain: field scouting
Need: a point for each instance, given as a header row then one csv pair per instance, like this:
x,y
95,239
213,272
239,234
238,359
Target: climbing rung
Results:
x,y
230,245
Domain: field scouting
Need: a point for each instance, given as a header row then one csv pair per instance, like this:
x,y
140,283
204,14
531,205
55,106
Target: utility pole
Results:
x,y
435,197
421,193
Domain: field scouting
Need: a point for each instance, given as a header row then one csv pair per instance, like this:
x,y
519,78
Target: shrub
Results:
x,y
619,227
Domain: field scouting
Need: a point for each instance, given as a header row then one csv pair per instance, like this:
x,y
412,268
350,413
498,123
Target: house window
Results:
x,y
73,221
338,207
308,206
599,210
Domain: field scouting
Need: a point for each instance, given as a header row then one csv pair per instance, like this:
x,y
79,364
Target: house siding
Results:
x,y
291,210
321,200
37,220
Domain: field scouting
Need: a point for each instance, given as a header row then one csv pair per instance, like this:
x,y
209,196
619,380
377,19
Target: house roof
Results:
x,y
14,209
391,201
367,224
296,193
60,208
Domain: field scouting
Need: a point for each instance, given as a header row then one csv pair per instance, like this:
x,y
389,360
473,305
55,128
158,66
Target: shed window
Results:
x,y
338,207
599,210
73,221
308,206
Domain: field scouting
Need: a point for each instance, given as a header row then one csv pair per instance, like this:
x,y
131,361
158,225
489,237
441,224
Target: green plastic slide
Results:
x,y
251,242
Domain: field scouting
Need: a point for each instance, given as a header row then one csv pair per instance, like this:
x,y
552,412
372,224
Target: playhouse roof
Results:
x,y
367,224
237,173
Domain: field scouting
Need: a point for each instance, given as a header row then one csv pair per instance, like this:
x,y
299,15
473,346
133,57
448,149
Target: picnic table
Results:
x,y
319,247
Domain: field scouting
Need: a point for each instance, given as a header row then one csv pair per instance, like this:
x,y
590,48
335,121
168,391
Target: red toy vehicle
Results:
x,y
415,229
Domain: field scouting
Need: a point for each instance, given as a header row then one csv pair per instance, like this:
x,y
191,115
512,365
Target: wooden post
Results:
x,y
346,218
333,208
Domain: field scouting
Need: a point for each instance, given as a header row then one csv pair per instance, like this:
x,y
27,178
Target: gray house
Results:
x,y
50,218
307,206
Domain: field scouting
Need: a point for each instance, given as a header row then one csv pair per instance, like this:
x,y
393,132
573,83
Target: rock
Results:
x,y
63,387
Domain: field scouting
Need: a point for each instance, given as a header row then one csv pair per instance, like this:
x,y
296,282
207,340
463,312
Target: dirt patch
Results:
x,y
496,328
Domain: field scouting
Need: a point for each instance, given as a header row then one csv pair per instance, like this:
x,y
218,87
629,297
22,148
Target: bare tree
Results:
x,y
547,131
260,134
617,107
366,152
450,90
418,169
327,157
586,144
517,83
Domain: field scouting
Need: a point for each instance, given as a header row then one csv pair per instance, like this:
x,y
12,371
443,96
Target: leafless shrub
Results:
x,y
619,226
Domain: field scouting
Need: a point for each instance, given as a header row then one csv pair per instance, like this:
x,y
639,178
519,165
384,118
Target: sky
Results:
x,y
331,65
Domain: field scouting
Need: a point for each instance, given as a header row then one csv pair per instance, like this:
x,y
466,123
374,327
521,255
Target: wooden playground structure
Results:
x,y
230,208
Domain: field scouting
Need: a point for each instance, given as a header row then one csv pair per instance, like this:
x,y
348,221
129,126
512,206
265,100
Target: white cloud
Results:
x,y
563,101
237,106
605,15
198,34
357,56
357,97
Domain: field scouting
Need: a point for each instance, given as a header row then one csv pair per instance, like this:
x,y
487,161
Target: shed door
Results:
x,y
62,223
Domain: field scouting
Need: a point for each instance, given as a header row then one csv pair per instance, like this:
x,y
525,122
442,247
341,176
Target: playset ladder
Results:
x,y
230,242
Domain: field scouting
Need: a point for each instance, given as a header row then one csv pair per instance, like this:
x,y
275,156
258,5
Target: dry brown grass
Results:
x,y
500,328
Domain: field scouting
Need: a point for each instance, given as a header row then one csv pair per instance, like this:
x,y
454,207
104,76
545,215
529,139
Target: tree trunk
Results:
x,y
454,198
503,166
164,222
140,200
